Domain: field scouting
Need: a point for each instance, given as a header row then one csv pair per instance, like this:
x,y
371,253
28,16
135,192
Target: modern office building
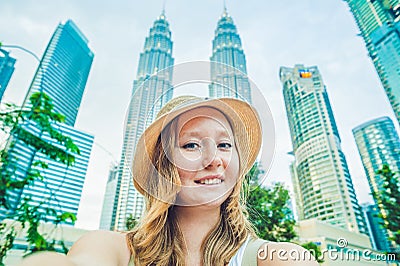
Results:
x,y
378,144
378,234
320,173
61,186
151,90
62,75
109,197
228,62
6,70
64,70
379,24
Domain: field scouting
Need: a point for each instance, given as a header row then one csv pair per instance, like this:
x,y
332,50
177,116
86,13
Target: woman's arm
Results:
x,y
100,248
284,253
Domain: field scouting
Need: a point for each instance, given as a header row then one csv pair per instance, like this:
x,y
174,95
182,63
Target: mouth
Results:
x,y
210,180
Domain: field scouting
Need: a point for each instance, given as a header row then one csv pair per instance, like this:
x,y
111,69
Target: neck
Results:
x,y
197,216
196,223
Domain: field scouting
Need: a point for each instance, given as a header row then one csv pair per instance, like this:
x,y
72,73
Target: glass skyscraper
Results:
x,y
379,23
6,70
228,62
64,70
378,144
377,233
62,74
151,90
322,183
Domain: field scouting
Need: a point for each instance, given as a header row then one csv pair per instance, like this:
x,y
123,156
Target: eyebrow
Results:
x,y
196,133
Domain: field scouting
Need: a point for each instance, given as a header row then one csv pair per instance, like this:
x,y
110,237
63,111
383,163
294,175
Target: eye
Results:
x,y
191,146
225,146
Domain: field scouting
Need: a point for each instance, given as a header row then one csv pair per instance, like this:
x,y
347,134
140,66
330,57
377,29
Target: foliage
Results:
x,y
268,209
388,199
130,222
8,241
16,122
314,250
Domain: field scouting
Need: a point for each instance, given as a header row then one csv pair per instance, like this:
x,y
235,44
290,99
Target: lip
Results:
x,y
197,181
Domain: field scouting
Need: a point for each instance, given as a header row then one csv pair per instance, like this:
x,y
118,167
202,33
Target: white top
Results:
x,y
237,259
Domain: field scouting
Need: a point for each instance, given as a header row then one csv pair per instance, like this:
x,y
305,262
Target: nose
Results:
x,y
210,155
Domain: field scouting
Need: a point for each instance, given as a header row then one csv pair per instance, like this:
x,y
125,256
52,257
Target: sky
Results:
x,y
273,33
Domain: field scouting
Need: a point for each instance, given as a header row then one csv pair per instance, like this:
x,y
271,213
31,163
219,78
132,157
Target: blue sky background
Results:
x,y
273,33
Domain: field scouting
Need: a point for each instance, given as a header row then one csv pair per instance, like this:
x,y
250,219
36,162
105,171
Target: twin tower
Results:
x,y
152,89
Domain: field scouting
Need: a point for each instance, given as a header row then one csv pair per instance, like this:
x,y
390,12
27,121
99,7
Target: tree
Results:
x,y
314,250
14,121
388,200
130,222
268,209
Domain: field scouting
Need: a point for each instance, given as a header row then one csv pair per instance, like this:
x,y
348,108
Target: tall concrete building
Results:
x,y
6,70
62,75
379,23
323,185
378,144
151,90
228,62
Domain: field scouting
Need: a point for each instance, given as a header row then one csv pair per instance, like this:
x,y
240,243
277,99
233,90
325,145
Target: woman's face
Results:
x,y
206,157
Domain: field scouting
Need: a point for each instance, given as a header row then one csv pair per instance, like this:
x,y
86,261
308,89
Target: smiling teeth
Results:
x,y
211,181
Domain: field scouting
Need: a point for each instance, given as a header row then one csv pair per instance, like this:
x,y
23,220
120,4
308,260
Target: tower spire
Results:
x,y
163,8
225,9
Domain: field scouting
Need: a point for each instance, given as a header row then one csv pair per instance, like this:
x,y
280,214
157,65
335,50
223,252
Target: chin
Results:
x,y
205,200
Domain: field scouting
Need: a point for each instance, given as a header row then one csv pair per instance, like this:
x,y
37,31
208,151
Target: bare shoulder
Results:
x,y
100,248
284,253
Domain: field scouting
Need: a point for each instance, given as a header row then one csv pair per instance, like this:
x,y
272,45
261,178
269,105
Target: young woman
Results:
x,y
190,166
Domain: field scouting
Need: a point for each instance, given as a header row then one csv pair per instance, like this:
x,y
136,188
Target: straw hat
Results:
x,y
242,116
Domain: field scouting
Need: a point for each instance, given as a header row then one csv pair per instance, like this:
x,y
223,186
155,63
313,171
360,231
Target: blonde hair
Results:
x,y
158,240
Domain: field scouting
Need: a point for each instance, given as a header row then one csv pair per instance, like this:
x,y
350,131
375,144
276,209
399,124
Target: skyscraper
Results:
x,y
64,70
109,197
377,233
229,73
151,90
379,23
62,74
378,144
323,185
6,70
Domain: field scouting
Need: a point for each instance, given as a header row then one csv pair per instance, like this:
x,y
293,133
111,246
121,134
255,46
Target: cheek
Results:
x,y
233,164
187,161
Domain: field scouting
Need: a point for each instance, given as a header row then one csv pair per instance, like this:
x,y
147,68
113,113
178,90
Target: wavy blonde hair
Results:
x,y
158,240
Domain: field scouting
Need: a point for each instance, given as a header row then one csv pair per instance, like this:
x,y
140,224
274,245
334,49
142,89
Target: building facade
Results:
x,y
228,62
62,75
378,144
322,180
151,90
6,70
109,198
341,247
379,24
378,234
